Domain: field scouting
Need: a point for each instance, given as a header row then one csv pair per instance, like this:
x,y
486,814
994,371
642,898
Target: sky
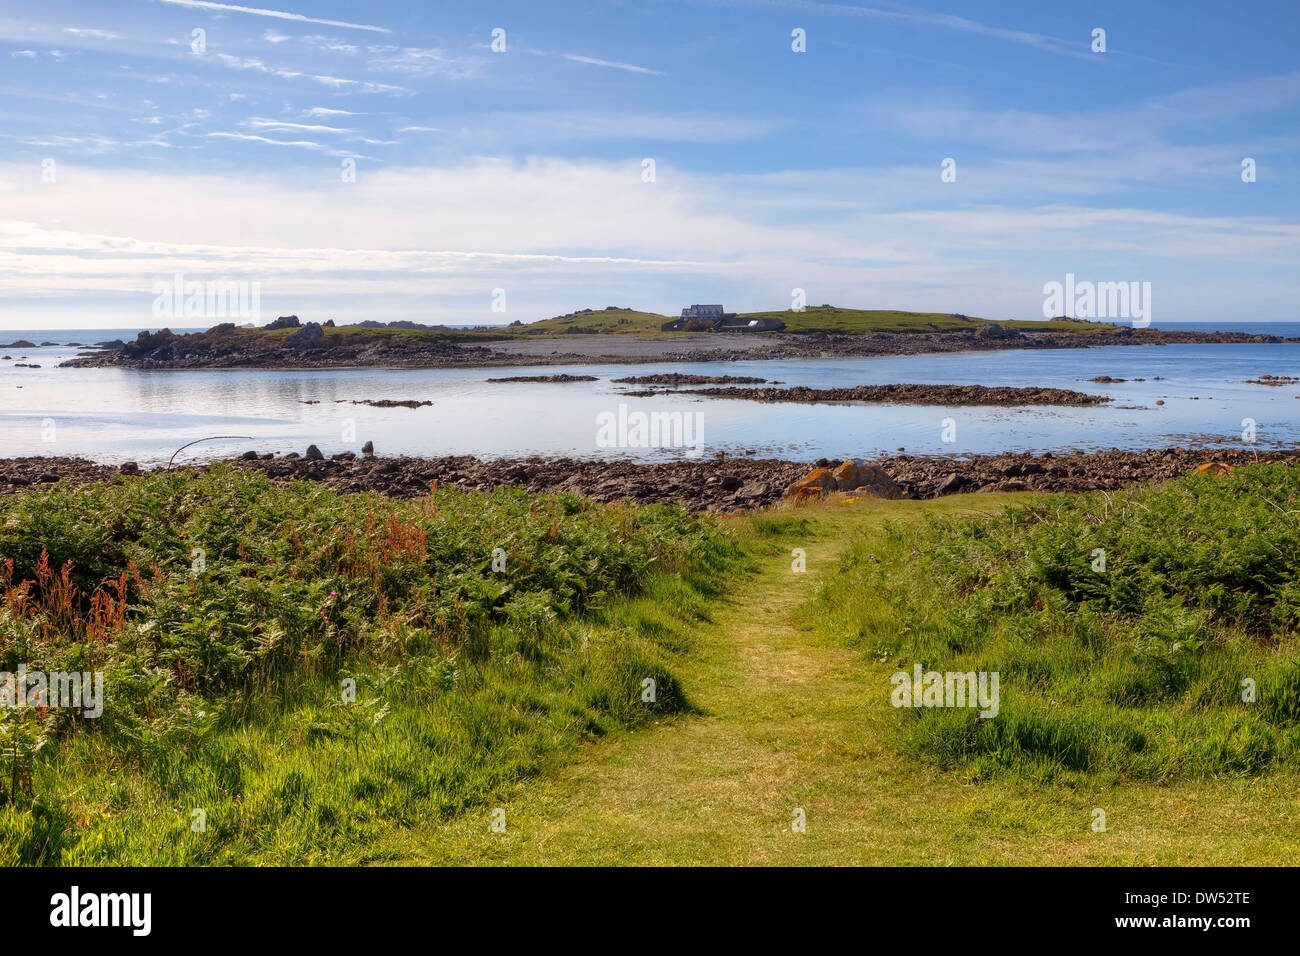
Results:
x,y
486,162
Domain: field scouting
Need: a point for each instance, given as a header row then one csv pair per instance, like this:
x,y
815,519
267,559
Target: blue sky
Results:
x,y
127,157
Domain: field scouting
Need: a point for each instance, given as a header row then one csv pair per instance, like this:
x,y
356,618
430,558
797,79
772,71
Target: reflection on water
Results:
x,y
115,415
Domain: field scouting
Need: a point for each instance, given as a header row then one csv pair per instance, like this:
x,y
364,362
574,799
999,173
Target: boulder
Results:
x,y
313,453
856,474
368,449
817,482
951,484
997,332
308,334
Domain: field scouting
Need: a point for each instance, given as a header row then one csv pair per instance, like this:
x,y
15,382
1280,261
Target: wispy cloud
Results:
x,y
298,143
268,124
277,14
925,18
421,61
88,32
594,61
337,82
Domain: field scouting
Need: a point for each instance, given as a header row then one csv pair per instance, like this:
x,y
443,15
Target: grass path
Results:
x,y
786,720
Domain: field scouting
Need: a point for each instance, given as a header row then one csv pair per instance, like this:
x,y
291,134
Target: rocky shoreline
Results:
x,y
953,395
714,484
222,349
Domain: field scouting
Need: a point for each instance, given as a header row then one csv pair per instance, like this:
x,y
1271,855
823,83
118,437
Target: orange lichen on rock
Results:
x,y
1214,468
854,475
816,482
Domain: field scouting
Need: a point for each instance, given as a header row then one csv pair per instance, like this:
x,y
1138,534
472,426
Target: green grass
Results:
x,y
789,716
833,319
812,319
1134,672
639,323
773,685
228,691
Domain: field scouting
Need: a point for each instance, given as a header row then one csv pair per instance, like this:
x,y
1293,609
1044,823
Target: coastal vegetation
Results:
x,y
296,675
304,668
1146,634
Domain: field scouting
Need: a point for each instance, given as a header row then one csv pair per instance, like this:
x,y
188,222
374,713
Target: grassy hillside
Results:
x,y
833,319
813,319
227,680
619,321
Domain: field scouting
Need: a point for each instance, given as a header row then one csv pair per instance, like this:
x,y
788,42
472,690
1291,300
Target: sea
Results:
x,y
1184,395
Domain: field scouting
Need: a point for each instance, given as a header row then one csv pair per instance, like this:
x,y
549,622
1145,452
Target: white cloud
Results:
x,y
422,61
923,18
269,124
277,14
87,32
330,44
252,64
557,232
298,143
593,61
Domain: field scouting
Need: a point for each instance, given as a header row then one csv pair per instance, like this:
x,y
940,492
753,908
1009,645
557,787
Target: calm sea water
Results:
x,y
114,415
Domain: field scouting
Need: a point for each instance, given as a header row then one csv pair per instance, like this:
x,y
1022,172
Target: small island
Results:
x,y
617,335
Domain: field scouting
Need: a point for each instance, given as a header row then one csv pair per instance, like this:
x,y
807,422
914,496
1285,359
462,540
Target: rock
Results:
x,y
129,468
368,449
307,335
313,454
248,456
730,482
952,484
344,456
857,474
1214,468
283,322
817,482
996,332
